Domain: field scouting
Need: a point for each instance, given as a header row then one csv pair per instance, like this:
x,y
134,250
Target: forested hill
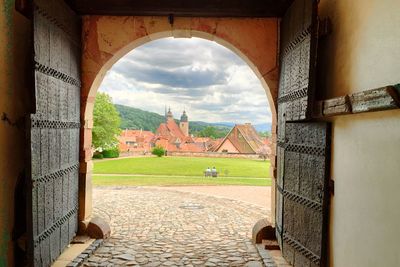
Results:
x,y
134,118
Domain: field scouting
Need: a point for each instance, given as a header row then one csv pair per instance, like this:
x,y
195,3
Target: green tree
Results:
x,y
106,122
212,132
158,151
264,134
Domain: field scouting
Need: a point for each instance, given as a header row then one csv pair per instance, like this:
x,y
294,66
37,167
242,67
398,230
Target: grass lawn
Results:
x,y
183,166
173,180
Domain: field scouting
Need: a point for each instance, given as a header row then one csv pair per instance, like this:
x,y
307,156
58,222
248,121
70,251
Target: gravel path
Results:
x,y
153,226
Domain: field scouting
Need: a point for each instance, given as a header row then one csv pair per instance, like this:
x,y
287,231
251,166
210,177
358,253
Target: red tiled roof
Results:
x,y
201,139
162,130
191,147
175,130
140,137
135,133
244,137
251,136
214,144
171,131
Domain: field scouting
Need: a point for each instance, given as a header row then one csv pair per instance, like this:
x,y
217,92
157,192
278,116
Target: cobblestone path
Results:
x,y
156,227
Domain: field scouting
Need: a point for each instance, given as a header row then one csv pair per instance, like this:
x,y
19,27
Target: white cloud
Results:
x,y
211,82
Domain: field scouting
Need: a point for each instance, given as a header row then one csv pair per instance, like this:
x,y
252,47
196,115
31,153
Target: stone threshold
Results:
x,y
75,254
271,258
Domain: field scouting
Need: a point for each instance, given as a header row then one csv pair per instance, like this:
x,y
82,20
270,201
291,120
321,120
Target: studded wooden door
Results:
x,y
303,147
303,163
54,132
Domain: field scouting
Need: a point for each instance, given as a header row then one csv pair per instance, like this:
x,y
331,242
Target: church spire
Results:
x,y
184,123
169,115
184,117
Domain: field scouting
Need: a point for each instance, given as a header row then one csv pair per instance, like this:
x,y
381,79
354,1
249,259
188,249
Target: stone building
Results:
x,y
176,138
184,124
169,135
345,86
135,141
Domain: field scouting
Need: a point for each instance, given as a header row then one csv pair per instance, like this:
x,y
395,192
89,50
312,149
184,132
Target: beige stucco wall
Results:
x,y
365,215
14,51
363,52
228,147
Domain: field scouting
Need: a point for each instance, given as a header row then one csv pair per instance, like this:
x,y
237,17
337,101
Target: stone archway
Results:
x,y
107,38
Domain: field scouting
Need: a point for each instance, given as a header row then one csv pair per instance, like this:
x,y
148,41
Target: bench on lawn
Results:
x,y
210,174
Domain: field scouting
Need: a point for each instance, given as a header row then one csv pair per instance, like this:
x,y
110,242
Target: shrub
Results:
x,y
98,155
158,151
111,153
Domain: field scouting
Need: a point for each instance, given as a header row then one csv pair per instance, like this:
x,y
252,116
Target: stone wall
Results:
x,y
192,154
213,155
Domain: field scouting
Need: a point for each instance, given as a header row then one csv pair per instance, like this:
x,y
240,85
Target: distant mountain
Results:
x,y
263,127
227,124
197,126
134,118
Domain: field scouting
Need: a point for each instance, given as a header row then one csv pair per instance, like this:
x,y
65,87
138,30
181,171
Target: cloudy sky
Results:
x,y
208,80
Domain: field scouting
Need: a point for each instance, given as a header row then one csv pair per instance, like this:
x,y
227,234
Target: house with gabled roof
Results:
x,y
242,139
135,141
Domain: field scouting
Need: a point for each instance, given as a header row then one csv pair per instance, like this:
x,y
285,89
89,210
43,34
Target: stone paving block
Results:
x,y
150,229
254,264
73,264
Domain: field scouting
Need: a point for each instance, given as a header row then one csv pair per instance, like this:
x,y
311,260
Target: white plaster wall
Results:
x,y
365,214
362,53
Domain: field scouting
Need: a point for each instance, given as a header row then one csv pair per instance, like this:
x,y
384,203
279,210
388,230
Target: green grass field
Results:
x,y
183,166
181,180
180,171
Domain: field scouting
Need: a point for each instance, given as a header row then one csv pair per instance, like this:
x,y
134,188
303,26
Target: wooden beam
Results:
x,y
384,98
188,8
337,106
375,100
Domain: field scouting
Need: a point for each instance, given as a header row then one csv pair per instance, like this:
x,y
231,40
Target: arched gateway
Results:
x,y
61,197
254,40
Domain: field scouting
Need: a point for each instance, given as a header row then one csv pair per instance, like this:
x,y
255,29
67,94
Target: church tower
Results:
x,y
168,115
184,124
